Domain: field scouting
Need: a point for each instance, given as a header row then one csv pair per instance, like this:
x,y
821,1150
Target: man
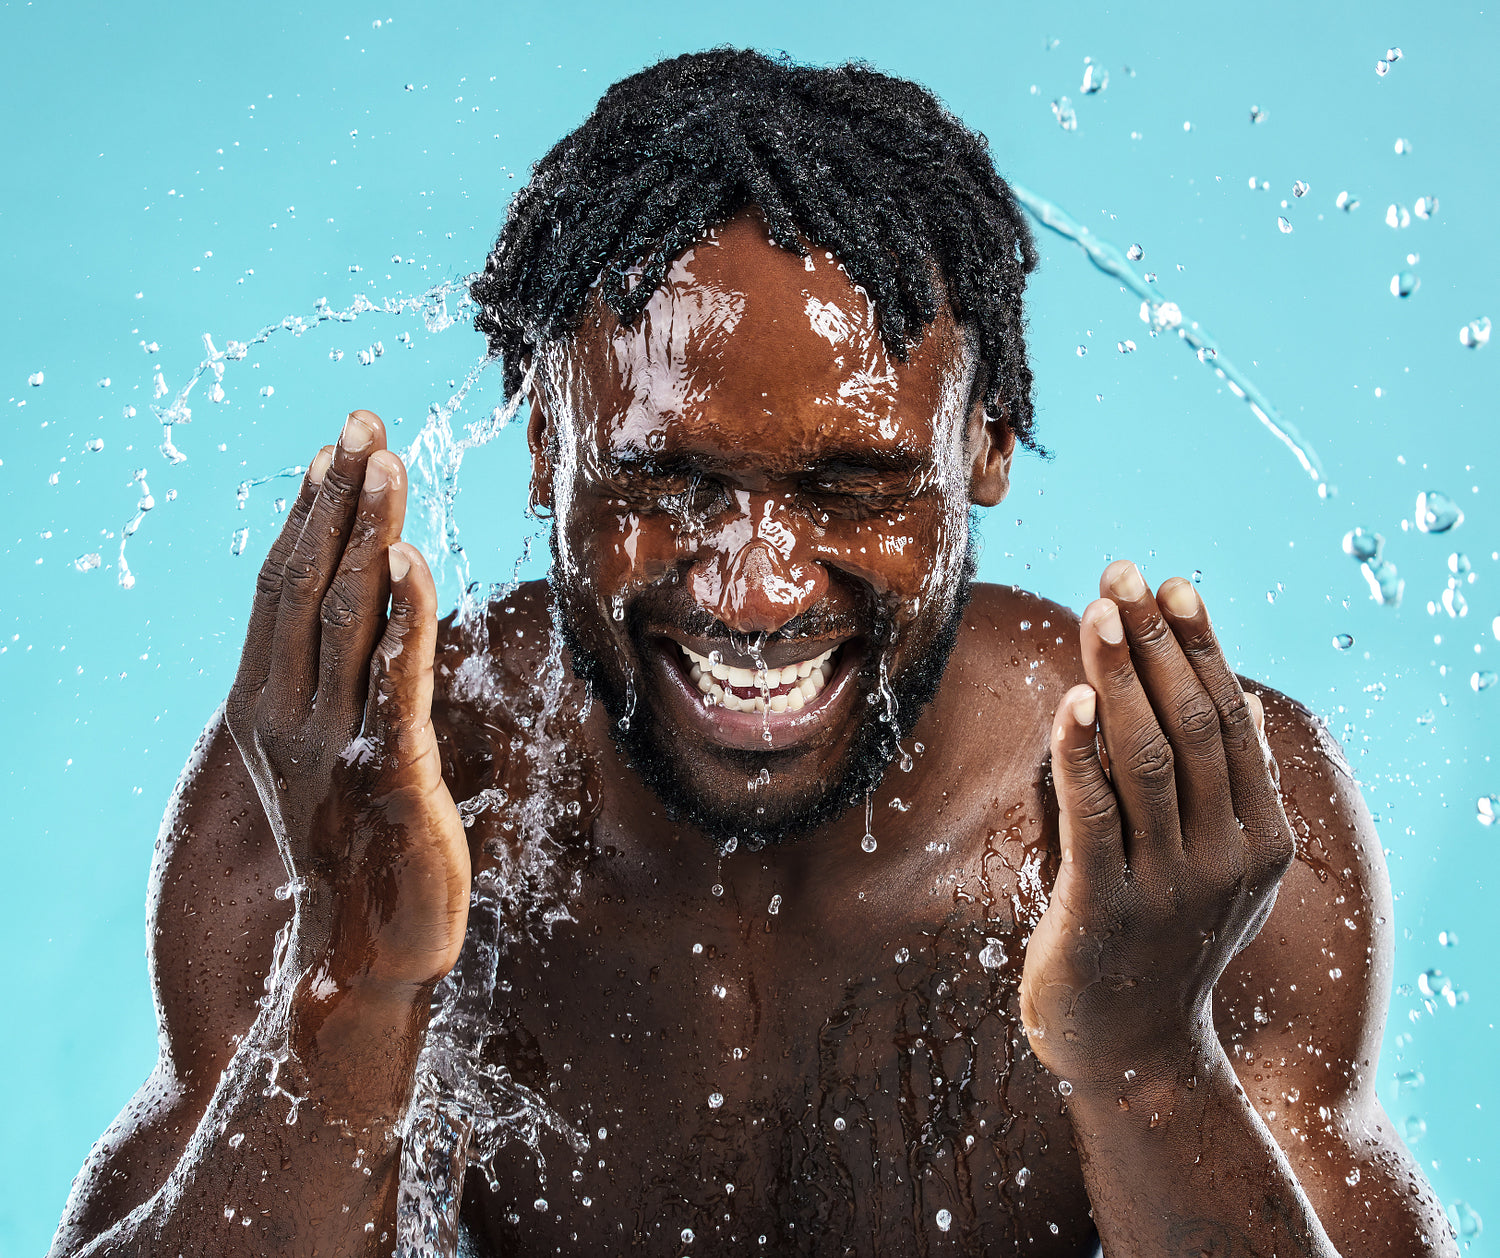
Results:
x,y
846,906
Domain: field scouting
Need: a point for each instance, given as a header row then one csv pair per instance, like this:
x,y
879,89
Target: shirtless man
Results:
x,y
847,907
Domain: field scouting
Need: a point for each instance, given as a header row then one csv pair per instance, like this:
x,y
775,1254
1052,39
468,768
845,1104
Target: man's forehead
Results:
x,y
746,333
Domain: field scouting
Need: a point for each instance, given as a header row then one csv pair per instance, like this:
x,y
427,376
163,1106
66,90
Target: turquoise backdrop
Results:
x,y
174,171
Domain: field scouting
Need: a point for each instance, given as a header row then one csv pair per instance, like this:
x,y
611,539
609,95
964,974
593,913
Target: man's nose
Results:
x,y
759,586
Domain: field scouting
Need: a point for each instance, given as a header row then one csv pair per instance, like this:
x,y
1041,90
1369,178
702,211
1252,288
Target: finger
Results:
x,y
398,711
1140,757
1257,803
1091,878
353,612
313,560
255,659
1183,707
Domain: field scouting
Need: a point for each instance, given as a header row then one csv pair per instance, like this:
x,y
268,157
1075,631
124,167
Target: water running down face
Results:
x,y
761,546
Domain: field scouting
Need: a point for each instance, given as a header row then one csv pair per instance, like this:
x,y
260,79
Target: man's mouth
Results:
x,y
785,689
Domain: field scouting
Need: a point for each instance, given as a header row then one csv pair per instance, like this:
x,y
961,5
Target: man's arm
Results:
x,y
295,1145
1173,845
211,926
1301,1010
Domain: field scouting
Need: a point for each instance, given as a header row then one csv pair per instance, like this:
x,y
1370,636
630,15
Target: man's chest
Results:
x,y
713,1078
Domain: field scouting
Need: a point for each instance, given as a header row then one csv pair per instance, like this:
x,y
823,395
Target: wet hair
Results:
x,y
872,168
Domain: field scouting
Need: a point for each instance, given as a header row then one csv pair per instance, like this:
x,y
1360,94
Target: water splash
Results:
x,y
431,304
1437,513
1164,315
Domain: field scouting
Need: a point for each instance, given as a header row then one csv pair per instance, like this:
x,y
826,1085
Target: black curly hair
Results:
x,y
872,168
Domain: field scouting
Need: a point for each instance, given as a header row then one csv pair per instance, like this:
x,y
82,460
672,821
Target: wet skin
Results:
x,y
892,1040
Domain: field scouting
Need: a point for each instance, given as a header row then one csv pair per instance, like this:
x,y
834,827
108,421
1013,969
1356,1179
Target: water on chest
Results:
x,y
794,1097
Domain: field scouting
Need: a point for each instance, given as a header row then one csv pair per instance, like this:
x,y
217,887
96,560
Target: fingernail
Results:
x,y
357,435
1128,583
1181,599
1083,707
377,475
1107,625
319,468
400,563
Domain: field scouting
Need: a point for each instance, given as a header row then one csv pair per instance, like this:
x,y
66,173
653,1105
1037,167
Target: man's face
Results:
x,y
761,527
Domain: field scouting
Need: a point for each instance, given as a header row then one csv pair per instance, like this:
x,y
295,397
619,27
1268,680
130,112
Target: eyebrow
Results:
x,y
850,461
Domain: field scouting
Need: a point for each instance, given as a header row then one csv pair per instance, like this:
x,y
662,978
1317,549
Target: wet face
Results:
x,y
761,535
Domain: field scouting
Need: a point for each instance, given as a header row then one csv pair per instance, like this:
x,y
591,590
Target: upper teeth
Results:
x,y
806,678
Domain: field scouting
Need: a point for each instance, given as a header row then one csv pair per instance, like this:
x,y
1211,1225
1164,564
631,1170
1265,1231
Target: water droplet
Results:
x,y
1095,80
1404,283
1393,55
1125,347
992,955
1447,939
237,544
867,843
775,906
1346,202
1425,207
1284,224
1062,110
1397,216
1454,602
1475,333
1197,576
715,1100
1363,546
1135,253
539,1204
1385,583
1064,1087
1414,1129
1487,809
1343,641
1437,513
1082,350
36,379
944,1220
1300,188
1023,1177
717,889
1161,315
903,955
1257,114
687,1236
1466,1219
1483,680
1352,1177
87,563
1402,147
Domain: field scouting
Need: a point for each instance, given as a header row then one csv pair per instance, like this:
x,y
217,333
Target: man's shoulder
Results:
x,y
1014,644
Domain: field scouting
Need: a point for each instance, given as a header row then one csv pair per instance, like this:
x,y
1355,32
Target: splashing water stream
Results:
x,y
1163,315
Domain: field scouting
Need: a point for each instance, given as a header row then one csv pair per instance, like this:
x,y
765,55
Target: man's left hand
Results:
x,y
1173,842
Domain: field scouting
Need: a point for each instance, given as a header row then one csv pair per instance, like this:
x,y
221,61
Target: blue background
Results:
x,y
175,170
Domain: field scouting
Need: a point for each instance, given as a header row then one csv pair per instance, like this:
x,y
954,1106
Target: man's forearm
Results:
x,y
299,1151
1178,1164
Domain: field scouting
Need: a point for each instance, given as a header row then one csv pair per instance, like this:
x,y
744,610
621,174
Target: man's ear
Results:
x,y
539,441
990,444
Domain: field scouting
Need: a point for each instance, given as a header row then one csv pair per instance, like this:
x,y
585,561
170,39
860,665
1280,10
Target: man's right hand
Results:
x,y
331,710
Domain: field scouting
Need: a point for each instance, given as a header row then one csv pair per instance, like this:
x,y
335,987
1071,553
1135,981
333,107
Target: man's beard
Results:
x,y
875,746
